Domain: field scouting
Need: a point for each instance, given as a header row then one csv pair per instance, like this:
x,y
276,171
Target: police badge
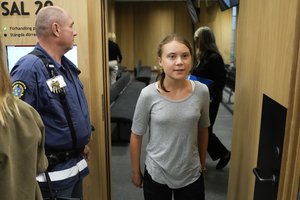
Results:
x,y
56,84
56,87
19,88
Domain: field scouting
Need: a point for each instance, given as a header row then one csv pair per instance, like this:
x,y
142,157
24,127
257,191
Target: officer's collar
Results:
x,y
57,65
50,59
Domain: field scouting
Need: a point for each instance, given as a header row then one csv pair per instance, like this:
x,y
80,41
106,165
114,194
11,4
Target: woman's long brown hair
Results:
x,y
5,90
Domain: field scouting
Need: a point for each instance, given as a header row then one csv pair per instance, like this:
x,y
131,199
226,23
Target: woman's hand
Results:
x,y
137,179
135,151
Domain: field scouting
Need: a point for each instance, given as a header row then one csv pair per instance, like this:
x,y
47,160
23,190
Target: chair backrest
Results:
x,y
119,86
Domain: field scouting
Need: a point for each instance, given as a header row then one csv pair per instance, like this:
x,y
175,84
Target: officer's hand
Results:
x,y
87,152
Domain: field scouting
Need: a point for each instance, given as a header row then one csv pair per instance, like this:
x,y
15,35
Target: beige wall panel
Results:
x,y
124,32
98,184
224,33
248,85
221,23
10,22
290,173
81,27
151,22
264,62
111,20
183,22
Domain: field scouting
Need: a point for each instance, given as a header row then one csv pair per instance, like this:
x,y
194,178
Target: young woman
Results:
x,y
22,154
175,112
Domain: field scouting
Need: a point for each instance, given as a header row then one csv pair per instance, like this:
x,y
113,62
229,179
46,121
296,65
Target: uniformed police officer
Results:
x,y
48,81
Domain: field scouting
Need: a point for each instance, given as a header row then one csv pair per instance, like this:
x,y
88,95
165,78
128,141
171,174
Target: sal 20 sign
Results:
x,y
18,8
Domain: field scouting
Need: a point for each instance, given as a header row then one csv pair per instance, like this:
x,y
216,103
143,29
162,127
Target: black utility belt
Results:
x,y
56,157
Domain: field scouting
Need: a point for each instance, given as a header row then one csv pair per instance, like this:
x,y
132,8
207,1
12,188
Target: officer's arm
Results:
x,y
24,82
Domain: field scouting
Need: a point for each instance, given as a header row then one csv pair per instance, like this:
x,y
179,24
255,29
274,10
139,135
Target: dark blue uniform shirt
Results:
x,y
29,77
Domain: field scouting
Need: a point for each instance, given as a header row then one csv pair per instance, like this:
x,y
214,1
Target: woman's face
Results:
x,y
176,60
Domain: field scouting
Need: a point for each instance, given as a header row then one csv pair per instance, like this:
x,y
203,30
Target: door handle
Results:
x,y
272,179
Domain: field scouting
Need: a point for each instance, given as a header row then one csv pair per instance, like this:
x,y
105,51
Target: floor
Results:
x,y
216,181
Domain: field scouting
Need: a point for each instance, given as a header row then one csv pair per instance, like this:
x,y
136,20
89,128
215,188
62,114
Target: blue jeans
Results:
x,y
157,191
72,192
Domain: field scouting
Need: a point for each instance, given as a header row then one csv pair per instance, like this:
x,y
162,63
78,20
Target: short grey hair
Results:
x,y
46,17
